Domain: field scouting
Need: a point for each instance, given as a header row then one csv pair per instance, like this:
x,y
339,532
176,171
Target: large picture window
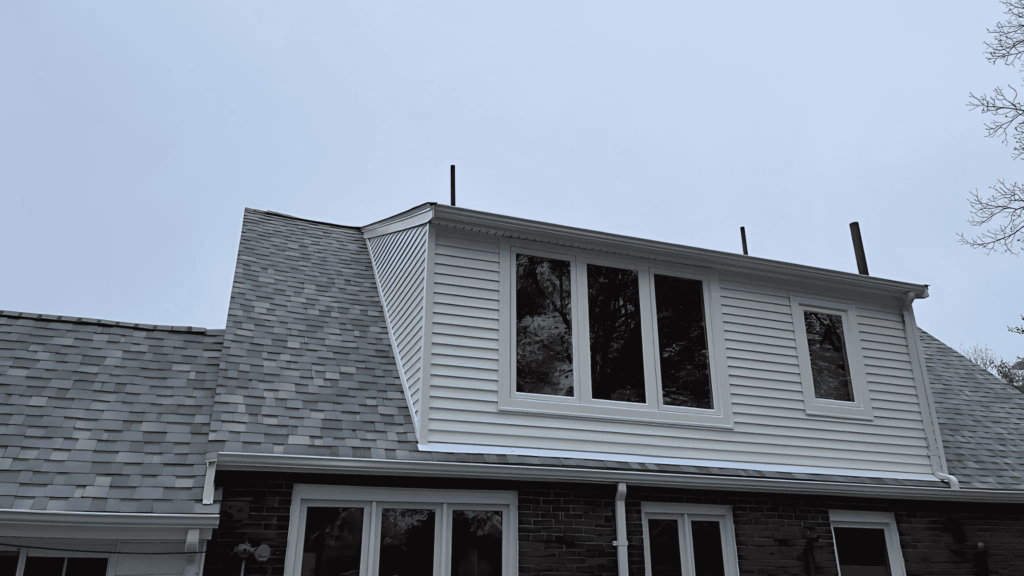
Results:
x,y
356,531
688,540
595,335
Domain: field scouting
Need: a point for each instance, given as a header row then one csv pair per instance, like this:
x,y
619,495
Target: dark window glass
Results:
x,y
44,566
406,542
683,343
8,562
543,326
663,536
476,543
84,567
334,542
862,552
830,367
707,548
616,342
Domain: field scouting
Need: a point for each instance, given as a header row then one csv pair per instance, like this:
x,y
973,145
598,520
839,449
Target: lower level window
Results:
x,y
866,543
356,531
39,562
688,540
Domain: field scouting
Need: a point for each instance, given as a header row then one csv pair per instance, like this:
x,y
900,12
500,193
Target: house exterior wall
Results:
x,y
765,393
568,528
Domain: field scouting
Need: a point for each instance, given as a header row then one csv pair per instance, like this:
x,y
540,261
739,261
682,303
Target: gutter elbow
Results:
x,y
954,484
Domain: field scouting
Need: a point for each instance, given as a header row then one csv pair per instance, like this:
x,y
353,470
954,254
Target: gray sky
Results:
x,y
132,135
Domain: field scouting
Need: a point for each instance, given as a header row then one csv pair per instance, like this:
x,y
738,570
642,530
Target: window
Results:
x,y
688,540
829,357
39,562
611,337
866,543
357,531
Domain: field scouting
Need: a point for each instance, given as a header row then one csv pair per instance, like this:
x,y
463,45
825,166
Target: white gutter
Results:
x,y
414,468
621,542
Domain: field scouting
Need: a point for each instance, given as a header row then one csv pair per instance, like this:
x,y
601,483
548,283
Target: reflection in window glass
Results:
x,y
59,566
44,566
663,536
683,343
543,326
476,543
616,342
8,562
406,542
334,542
829,366
707,548
862,552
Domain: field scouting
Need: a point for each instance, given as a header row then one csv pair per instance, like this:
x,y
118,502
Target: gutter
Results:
x,y
413,468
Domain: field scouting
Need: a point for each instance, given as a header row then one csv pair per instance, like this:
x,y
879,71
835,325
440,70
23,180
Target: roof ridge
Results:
x,y
289,216
109,323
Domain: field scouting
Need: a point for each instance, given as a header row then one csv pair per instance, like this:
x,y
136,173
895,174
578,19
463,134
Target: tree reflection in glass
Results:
x,y
406,542
543,326
334,542
476,543
616,343
663,537
830,369
683,343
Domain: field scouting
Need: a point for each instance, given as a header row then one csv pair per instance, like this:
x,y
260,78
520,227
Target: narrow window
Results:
x,y
543,326
683,343
666,559
616,341
8,562
334,542
830,368
707,548
476,543
862,552
406,542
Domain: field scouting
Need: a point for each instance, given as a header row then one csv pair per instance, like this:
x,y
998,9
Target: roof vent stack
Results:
x,y
743,236
453,184
858,249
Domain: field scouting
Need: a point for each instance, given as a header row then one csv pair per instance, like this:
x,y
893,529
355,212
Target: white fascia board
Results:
x,y
408,219
485,222
414,468
53,524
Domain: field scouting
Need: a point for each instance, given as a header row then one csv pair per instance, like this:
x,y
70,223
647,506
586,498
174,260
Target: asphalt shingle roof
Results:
x,y
100,416
981,419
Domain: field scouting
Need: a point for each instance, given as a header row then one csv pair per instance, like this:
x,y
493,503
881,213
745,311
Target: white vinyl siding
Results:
x,y
399,260
770,425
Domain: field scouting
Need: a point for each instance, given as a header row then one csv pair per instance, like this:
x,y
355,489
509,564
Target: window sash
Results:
x,y
885,521
684,515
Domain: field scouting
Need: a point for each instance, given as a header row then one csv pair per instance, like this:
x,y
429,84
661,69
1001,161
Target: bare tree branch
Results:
x,y
1006,204
1008,112
1008,43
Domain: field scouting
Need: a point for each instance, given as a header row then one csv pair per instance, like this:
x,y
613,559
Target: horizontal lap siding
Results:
x,y
770,425
400,262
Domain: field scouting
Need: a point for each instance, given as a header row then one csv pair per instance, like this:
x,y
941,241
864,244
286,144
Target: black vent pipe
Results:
x,y
858,249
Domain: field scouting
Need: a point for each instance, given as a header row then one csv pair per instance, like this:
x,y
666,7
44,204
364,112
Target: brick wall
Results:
x,y
569,528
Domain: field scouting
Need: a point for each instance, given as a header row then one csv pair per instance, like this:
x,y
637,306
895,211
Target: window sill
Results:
x,y
640,415
837,411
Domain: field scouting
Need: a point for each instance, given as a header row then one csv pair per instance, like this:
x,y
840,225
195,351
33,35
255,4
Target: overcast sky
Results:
x,y
133,134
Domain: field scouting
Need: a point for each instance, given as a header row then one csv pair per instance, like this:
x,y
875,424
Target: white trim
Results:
x,y
881,520
427,359
373,500
102,525
408,219
684,514
860,407
209,489
937,452
372,467
581,404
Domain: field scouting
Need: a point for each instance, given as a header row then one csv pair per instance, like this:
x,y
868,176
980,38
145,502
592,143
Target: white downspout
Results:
x,y
620,529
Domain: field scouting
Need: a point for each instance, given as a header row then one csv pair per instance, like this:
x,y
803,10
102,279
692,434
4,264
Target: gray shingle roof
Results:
x,y
100,416
981,419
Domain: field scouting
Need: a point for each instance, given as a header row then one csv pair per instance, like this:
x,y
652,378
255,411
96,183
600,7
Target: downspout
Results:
x,y
911,326
620,529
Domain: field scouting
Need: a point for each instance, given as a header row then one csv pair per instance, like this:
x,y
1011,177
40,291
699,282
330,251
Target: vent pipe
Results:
x,y
453,184
743,236
858,249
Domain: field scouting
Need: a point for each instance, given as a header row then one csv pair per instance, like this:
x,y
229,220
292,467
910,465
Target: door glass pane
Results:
x,y
84,567
406,542
334,542
707,548
8,562
663,536
862,552
44,566
683,343
543,326
830,369
616,343
476,543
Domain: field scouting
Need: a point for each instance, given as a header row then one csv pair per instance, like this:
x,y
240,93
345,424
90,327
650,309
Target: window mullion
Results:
x,y
22,557
686,534
443,542
372,548
581,319
648,331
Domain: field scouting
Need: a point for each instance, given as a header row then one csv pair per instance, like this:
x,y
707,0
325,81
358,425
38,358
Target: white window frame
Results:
x,y
582,403
860,408
71,544
373,500
860,519
684,513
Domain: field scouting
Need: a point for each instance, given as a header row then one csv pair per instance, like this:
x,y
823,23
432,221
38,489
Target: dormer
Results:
x,y
521,337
